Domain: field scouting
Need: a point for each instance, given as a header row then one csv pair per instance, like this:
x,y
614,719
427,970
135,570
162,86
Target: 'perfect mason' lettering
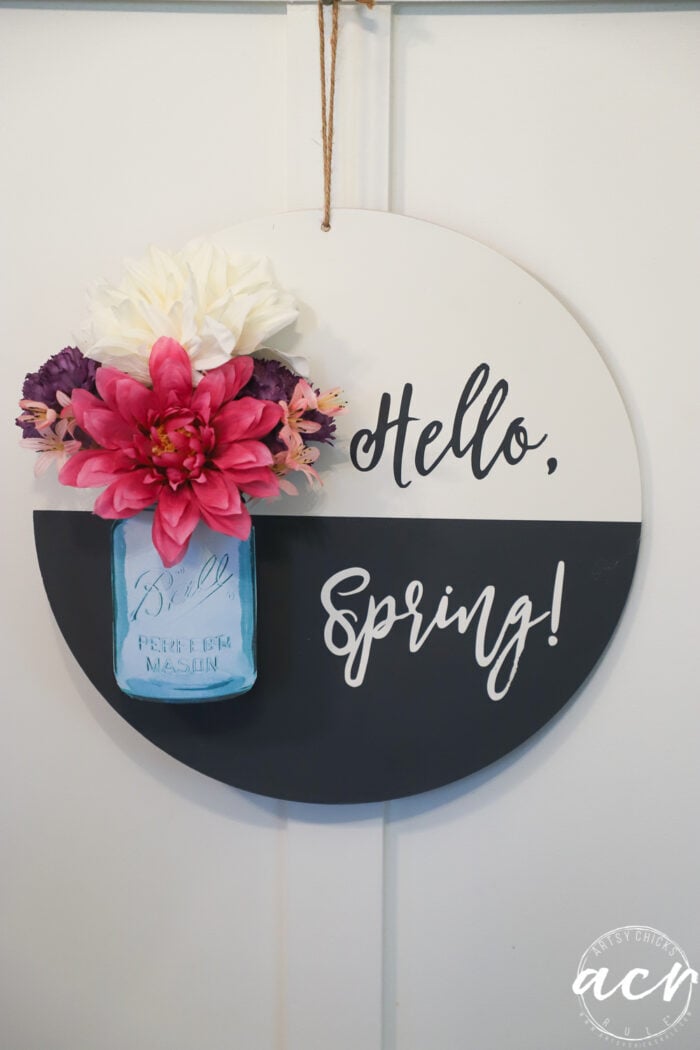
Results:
x,y
182,655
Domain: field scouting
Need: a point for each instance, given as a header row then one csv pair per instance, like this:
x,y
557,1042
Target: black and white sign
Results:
x,y
462,570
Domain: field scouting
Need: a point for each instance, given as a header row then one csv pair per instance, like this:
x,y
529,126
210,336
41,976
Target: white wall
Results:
x,y
144,906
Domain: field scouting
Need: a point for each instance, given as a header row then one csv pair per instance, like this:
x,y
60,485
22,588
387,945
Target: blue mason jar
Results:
x,y
185,634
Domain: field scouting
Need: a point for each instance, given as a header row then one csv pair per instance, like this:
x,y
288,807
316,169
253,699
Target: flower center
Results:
x,y
163,442
178,446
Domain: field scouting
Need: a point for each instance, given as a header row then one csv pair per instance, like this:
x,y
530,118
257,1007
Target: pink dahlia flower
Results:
x,y
191,451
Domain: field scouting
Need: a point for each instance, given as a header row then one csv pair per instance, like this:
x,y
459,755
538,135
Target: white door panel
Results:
x,y
145,906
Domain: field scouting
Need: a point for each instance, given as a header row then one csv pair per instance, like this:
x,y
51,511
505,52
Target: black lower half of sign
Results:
x,y
394,655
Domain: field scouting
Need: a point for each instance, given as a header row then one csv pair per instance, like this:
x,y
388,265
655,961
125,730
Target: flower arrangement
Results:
x,y
164,405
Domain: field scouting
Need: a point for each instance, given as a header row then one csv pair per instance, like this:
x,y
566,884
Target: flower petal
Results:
x,y
260,483
128,495
174,522
98,420
237,525
217,493
94,467
170,549
246,418
171,372
210,395
130,399
43,462
237,373
243,455
221,385
288,487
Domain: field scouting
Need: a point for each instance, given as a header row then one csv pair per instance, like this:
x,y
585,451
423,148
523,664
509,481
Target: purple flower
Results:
x,y
326,426
273,381
62,373
270,381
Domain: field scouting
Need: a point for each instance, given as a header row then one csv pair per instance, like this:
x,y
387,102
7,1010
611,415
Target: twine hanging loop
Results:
x,y
328,96
327,102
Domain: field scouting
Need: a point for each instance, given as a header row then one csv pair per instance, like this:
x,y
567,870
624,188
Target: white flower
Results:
x,y
214,306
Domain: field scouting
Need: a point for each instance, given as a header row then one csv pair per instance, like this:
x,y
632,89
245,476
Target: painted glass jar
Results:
x,y
184,634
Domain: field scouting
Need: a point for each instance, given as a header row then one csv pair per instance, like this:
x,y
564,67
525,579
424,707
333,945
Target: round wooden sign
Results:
x,y
465,564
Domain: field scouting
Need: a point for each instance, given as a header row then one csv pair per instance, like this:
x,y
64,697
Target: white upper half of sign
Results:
x,y
387,301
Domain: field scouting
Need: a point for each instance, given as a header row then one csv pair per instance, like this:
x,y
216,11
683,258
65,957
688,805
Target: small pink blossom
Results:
x,y
37,413
67,412
293,422
54,446
298,457
330,404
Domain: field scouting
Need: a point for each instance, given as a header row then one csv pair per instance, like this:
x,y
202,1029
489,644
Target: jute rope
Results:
x,y
327,104
328,97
